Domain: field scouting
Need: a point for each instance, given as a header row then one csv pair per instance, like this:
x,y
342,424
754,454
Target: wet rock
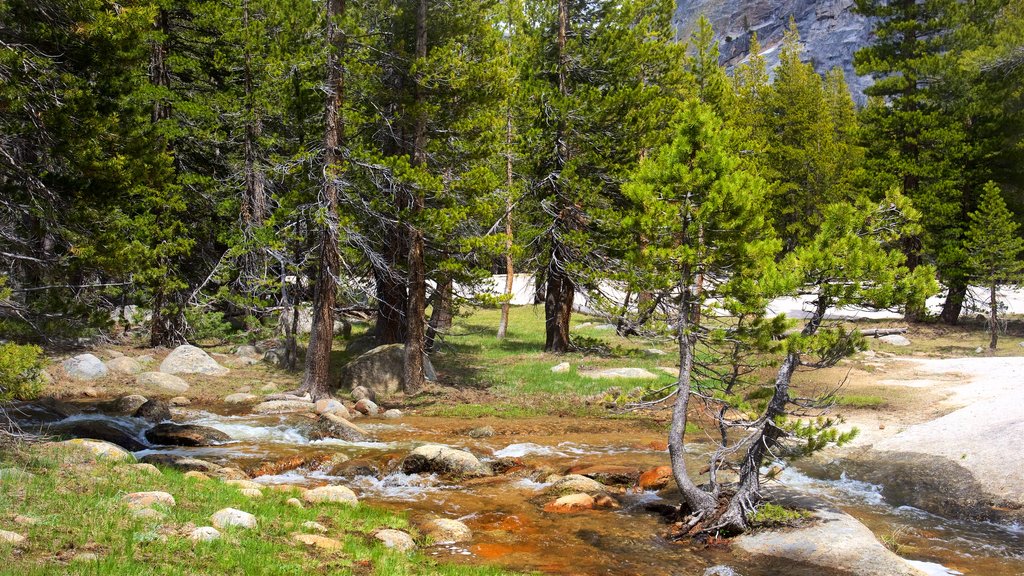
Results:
x,y
137,500
608,474
353,468
179,401
160,382
321,542
204,534
837,539
628,372
334,426
12,538
154,411
481,432
331,406
392,414
283,406
447,531
360,392
576,483
123,406
895,340
367,407
396,539
124,365
170,434
232,518
331,494
85,367
571,503
380,370
561,368
314,526
107,430
147,469
438,459
98,450
240,398
178,462
45,410
656,478
188,359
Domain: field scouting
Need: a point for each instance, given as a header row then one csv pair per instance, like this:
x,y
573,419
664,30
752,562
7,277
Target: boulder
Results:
x,y
171,434
656,478
895,340
276,357
124,365
188,359
575,483
123,406
148,514
609,474
571,503
438,459
392,414
627,372
179,401
321,542
367,407
98,449
360,392
331,406
12,538
380,370
115,431
561,368
334,426
396,539
154,411
447,531
160,382
204,534
481,432
85,367
330,494
147,469
178,462
295,503
247,350
836,539
240,398
314,526
46,410
232,518
283,406
138,500
251,493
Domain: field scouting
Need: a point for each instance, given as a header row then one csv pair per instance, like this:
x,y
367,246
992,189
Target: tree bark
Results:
x,y
557,309
315,380
509,269
415,342
540,283
440,314
392,301
993,321
954,303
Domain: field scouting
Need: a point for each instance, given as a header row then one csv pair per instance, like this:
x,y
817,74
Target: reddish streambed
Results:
x,y
506,512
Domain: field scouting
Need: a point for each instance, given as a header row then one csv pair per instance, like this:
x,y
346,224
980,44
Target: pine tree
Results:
x,y
994,248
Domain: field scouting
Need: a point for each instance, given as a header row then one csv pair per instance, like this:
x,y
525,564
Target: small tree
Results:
x,y
994,249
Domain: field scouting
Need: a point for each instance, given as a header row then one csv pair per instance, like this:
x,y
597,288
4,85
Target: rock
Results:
x,y
243,484
392,414
439,459
603,327
314,526
608,474
251,493
196,475
360,392
124,365
331,494
83,557
367,406
147,469
294,502
171,434
179,401
12,538
229,473
576,483
160,382
179,462
90,392
481,432
837,539
118,432
247,350
148,514
268,387
46,410
330,406
188,359
655,352
137,500
123,406
720,570
379,369
26,520
276,357
656,478
334,426
154,411
289,396
895,340
98,449
241,361
240,398
571,503
85,367
396,539
204,534
321,542
561,368
627,372
231,518
283,406
447,531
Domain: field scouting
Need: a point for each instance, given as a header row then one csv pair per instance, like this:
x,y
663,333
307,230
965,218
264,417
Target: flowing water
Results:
x,y
505,512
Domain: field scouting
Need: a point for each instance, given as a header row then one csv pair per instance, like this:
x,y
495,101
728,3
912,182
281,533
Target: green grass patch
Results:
x,y
768,515
859,401
79,508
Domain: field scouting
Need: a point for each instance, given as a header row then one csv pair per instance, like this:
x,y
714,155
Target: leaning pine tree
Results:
x,y
993,251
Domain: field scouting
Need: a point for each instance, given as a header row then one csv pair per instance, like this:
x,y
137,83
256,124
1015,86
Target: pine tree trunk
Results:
x,y
415,341
315,380
558,309
392,301
440,314
540,284
509,270
993,321
954,303
160,76
254,199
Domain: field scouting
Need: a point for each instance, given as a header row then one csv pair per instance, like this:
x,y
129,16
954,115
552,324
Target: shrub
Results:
x,y
21,372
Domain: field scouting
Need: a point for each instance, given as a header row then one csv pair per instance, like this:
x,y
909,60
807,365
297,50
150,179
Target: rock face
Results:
x,y
836,540
160,382
379,370
170,434
85,367
187,359
830,31
437,459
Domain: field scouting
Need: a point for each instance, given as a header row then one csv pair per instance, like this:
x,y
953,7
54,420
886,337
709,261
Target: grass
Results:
x,y
768,515
859,401
79,509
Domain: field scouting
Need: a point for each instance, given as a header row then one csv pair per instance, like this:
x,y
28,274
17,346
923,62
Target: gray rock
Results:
x,y
85,367
161,382
154,411
170,434
367,406
247,350
379,370
183,463
232,518
396,539
240,398
481,432
98,450
124,406
124,365
629,372
283,406
392,414
115,431
179,401
188,359
895,340
448,531
360,392
12,538
560,368
438,459
204,534
334,426
330,495
331,406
